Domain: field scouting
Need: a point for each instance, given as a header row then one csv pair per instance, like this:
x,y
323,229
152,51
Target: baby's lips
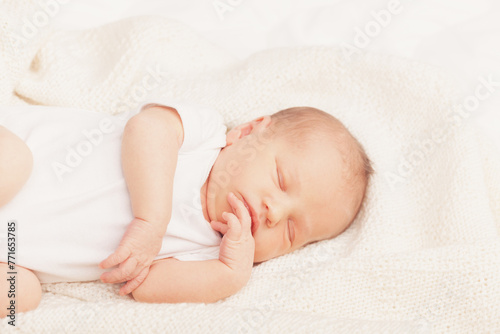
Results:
x,y
246,205
253,221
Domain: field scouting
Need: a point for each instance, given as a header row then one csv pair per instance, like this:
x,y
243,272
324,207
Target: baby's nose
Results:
x,y
274,214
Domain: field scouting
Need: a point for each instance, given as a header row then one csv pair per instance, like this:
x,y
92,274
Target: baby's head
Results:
x,y
300,172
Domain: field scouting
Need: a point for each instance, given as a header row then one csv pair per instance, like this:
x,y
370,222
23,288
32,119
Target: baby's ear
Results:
x,y
245,129
238,132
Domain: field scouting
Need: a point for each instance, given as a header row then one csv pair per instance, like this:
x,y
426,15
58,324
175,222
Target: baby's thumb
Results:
x,y
120,255
219,227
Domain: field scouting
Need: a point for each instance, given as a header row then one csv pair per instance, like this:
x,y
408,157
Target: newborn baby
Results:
x,y
192,208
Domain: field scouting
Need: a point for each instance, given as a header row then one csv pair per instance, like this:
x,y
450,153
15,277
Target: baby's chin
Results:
x,y
213,211
221,205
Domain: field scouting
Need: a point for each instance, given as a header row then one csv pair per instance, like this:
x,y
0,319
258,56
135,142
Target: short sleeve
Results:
x,y
203,126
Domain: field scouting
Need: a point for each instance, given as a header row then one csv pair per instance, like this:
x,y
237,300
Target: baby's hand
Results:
x,y
137,249
238,245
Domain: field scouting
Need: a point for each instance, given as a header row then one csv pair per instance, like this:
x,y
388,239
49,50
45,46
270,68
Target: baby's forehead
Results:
x,y
314,146
313,164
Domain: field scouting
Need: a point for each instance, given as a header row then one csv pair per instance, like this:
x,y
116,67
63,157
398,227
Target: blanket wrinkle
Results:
x,y
422,256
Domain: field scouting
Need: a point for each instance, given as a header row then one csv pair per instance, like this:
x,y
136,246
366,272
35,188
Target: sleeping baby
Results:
x,y
166,200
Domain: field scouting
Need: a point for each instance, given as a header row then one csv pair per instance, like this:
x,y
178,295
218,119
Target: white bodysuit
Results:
x,y
74,209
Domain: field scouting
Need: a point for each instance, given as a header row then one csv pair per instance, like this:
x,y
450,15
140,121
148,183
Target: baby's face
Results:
x,y
292,195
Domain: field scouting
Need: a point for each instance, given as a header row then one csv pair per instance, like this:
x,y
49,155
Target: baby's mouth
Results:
x,y
253,226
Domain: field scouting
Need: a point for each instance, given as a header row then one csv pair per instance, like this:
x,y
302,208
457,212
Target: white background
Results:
x,y
460,36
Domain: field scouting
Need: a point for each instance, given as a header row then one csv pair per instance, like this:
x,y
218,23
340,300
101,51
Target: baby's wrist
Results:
x,y
157,228
239,276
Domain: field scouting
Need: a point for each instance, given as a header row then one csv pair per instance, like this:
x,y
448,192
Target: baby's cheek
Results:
x,y
259,254
265,248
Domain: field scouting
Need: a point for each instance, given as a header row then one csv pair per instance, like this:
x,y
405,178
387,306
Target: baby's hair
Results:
x,y
302,125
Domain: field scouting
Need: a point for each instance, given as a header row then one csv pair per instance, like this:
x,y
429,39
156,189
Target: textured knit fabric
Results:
x,y
423,254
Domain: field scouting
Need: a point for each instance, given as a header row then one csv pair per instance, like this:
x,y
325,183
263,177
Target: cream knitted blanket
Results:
x,y
423,255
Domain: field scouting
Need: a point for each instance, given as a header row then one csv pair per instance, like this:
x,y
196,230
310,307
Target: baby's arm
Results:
x,y
174,281
150,145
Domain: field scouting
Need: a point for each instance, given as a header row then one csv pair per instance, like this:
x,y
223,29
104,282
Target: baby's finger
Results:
x,y
234,231
123,273
134,283
241,211
219,227
120,255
